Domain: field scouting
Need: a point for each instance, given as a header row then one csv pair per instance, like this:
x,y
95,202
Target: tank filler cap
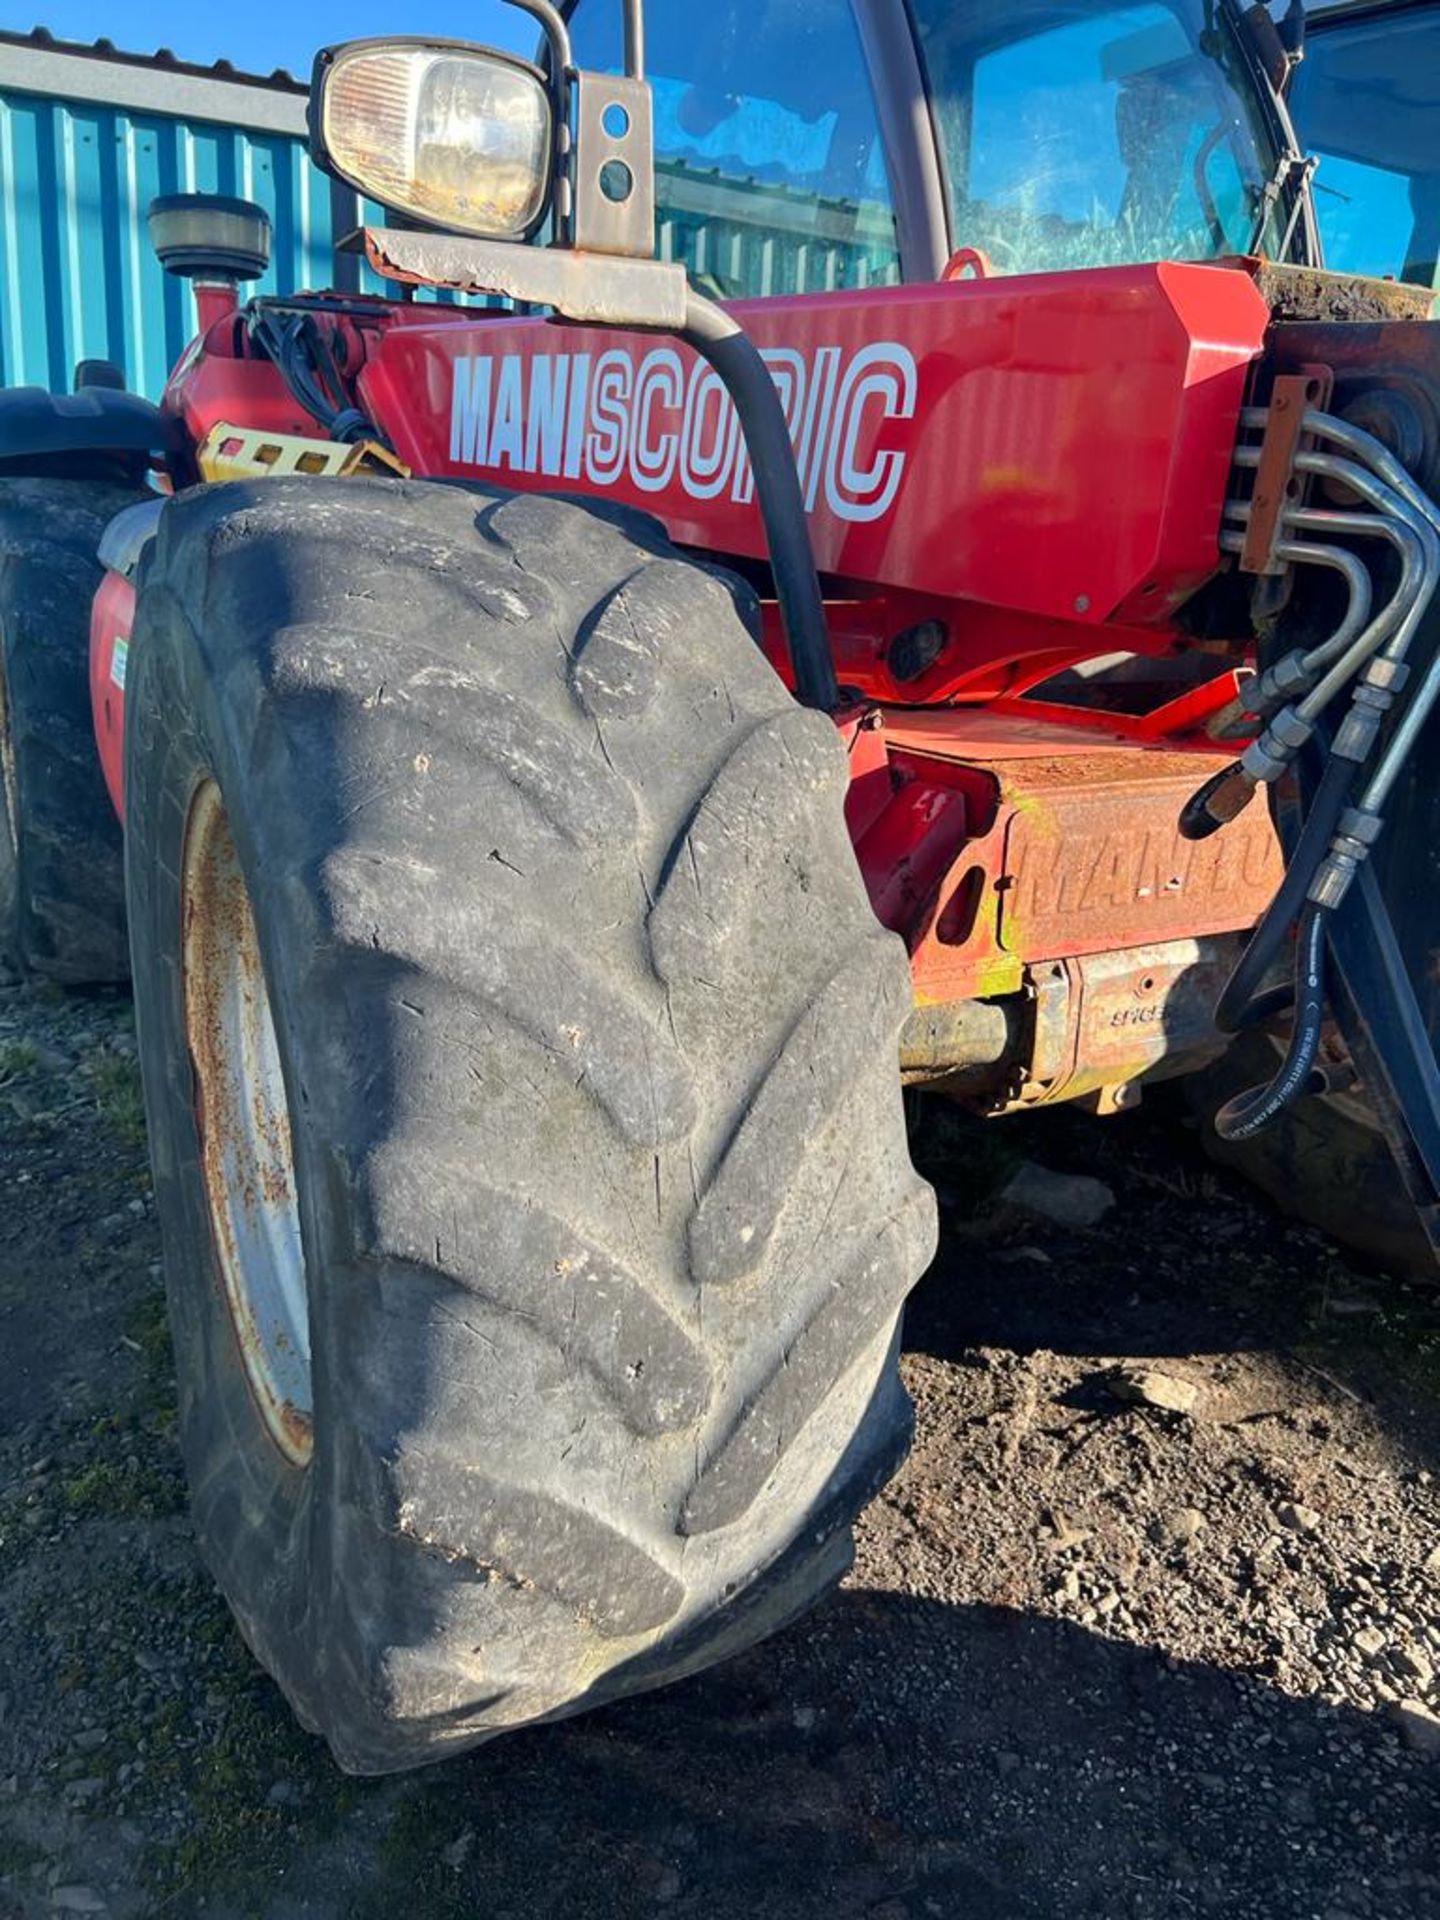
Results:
x,y
210,236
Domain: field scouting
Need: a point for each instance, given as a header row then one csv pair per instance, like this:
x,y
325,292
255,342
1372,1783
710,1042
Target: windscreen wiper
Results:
x,y
1293,171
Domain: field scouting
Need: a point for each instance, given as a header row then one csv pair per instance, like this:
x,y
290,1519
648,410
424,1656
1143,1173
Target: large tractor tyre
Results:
x,y
62,890
520,1055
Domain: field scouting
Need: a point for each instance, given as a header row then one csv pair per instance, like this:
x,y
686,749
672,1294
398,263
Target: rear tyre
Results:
x,y
62,899
508,997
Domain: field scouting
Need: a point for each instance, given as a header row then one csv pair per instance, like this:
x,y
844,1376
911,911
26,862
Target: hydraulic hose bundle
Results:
x,y
1364,656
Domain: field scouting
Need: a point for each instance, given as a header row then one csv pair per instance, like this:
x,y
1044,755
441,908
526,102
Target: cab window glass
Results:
x,y
1081,134
770,177
1365,102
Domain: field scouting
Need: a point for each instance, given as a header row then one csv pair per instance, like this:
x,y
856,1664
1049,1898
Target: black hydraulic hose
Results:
x,y
736,358
1233,1009
1244,1116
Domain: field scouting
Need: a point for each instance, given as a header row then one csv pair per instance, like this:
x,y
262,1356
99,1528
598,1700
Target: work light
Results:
x,y
459,137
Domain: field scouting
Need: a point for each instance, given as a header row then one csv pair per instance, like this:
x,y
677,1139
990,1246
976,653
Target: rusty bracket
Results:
x,y
600,289
1277,485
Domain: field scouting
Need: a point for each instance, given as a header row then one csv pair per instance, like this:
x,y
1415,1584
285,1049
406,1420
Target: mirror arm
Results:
x,y
556,32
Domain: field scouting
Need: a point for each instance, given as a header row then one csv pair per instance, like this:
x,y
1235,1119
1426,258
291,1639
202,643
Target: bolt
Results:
x,y
1082,603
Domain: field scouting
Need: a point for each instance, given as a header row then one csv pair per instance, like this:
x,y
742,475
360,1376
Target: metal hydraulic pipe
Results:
x,y
1389,503
1400,535
1339,559
1363,446
1413,715
1348,646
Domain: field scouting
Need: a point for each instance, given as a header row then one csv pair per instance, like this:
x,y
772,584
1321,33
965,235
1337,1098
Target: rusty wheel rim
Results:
x,y
246,1154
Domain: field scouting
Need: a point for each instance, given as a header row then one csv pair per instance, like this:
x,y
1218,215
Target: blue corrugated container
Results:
x,y
88,137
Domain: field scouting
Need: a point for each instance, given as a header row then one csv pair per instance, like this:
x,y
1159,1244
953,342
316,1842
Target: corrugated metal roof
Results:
x,y
107,50
38,63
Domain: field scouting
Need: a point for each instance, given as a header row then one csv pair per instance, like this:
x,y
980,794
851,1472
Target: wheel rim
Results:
x,y
246,1154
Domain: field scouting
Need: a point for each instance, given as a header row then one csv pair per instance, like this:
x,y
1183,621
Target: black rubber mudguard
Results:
x,y
98,430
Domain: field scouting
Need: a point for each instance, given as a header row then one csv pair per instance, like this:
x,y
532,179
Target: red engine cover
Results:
x,y
1055,445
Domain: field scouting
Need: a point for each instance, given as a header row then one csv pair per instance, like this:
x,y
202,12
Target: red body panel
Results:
x,y
211,384
112,615
961,445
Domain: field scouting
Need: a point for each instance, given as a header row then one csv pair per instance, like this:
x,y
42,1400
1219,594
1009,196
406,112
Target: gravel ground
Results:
x,y
1149,1624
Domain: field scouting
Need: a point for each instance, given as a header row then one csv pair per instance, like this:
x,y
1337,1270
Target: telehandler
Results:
x,y
925,582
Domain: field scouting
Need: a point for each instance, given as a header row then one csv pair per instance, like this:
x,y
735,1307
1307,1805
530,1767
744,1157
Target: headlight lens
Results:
x,y
455,136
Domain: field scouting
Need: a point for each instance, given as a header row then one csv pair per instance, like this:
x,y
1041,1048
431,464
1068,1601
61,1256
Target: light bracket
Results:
x,y
612,166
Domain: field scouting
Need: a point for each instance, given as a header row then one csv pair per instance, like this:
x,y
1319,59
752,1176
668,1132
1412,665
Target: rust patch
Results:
x,y
1087,870
1310,293
1084,855
1115,1019
603,289
298,1428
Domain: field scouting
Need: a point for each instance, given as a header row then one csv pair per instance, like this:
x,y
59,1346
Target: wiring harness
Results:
x,y
310,360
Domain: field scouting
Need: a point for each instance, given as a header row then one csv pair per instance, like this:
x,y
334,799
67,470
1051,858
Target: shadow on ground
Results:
x,y
1191,1261
947,1736
899,1757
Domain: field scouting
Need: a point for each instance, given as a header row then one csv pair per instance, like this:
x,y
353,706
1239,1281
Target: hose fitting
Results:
x,y
1212,806
1269,757
1355,834
1270,690
1260,695
1368,707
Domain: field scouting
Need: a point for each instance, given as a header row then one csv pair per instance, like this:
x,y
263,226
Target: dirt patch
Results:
x,y
1132,1633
